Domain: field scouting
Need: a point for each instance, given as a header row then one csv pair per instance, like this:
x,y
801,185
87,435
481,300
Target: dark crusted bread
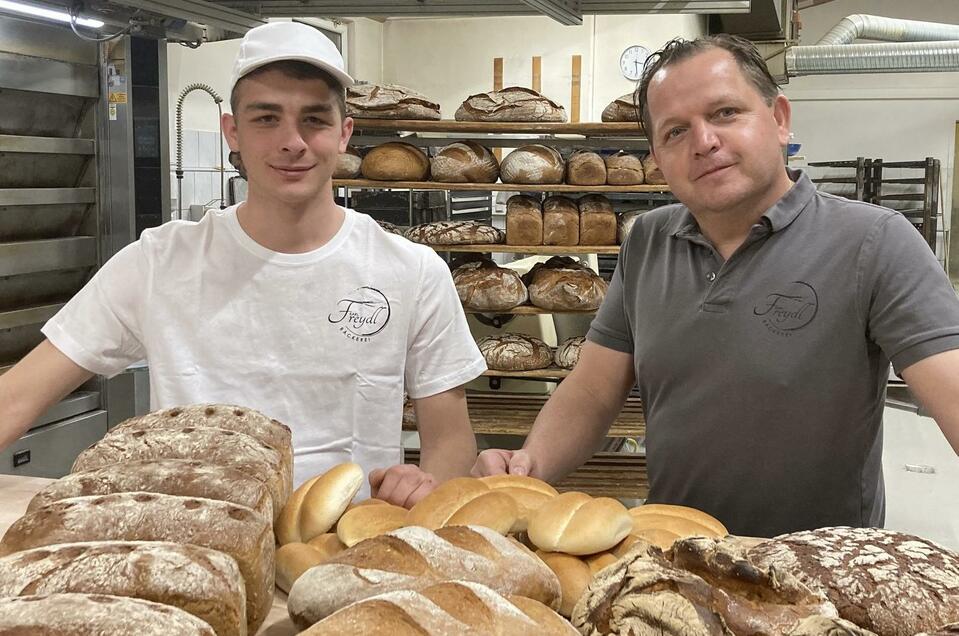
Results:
x,y
524,220
515,352
623,108
389,101
485,286
564,284
567,353
513,103
533,164
454,233
624,168
585,167
464,162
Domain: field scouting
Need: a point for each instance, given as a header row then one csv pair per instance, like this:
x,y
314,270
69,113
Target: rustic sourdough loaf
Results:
x,y
567,353
653,175
597,221
564,284
464,162
389,101
624,168
515,352
485,286
348,164
454,233
513,103
585,167
623,108
395,161
533,164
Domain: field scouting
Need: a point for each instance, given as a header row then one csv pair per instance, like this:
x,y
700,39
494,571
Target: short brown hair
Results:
x,y
296,69
750,61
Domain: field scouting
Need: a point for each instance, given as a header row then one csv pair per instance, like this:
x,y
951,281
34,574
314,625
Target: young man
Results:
x,y
286,303
758,317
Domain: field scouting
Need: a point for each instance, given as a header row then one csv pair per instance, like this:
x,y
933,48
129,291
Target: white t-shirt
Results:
x,y
323,341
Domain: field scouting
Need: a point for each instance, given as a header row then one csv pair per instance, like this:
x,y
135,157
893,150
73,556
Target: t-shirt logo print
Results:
x,y
788,310
363,313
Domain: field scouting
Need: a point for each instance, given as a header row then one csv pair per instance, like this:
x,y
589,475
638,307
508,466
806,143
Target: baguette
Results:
x,y
576,523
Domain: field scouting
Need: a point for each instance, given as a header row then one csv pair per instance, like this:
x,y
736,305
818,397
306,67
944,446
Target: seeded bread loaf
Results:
x,y
585,167
464,162
515,352
513,103
524,220
560,221
533,164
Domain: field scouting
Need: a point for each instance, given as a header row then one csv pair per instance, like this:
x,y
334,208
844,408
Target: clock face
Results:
x,y
632,60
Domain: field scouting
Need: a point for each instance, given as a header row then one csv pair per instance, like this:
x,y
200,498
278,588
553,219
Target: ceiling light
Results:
x,y
49,14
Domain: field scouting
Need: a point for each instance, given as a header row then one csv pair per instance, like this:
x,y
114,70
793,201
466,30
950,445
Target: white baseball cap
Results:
x,y
276,41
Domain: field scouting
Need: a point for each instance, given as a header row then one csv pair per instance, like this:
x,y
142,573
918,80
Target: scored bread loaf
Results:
x,y
560,221
366,522
524,220
564,284
214,445
414,558
395,161
513,103
464,162
139,516
201,581
95,615
575,523
317,504
624,168
623,108
389,101
567,353
533,164
653,175
529,494
515,352
464,501
450,608
485,286
574,575
454,233
184,477
348,164
585,167
597,221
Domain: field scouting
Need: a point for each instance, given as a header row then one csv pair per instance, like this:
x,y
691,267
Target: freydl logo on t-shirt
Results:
x,y
362,314
789,309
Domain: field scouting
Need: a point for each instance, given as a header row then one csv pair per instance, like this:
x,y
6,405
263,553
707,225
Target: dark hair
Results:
x,y
296,69
750,61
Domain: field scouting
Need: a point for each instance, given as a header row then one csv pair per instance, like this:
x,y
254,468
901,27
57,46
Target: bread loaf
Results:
x,y
464,501
414,558
623,108
533,164
451,608
139,516
624,168
560,221
585,167
389,101
292,560
576,523
653,175
328,543
524,220
95,615
348,164
625,223
454,233
485,286
529,494
827,626
200,581
567,353
366,522
890,582
395,161
597,221
214,445
464,162
574,576
563,284
184,477
515,352
318,503
513,103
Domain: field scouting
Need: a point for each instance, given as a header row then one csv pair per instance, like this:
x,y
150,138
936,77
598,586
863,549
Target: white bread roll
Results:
x,y
292,560
365,522
495,510
533,164
574,576
464,501
662,524
576,523
318,504
327,543
395,161
464,162
597,562
529,494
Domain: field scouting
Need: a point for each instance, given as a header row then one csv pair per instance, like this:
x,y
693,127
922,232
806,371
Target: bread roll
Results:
x,y
485,286
533,164
624,168
563,284
597,562
316,505
292,560
519,481
413,558
348,164
529,494
513,103
680,519
184,477
574,576
576,523
200,581
515,352
464,162
560,221
625,223
454,233
464,501
389,101
365,522
567,353
95,615
585,167
654,176
597,221
138,516
328,543
623,108
395,161
524,220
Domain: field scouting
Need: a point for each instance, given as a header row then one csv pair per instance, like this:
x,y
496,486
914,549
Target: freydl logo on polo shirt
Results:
x,y
362,314
788,309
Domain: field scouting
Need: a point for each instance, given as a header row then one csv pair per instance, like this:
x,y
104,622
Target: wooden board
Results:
x,y
548,373
529,310
491,187
545,250
594,128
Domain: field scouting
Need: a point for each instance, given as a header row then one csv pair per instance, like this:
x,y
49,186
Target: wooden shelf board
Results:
x,y
492,187
632,129
545,250
529,310
548,373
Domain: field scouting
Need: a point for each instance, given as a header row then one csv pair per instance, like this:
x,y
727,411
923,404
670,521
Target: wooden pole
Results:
x,y
574,89
538,74
498,85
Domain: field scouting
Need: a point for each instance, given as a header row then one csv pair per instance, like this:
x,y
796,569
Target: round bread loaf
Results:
x,y
464,162
653,175
560,221
395,161
315,506
389,101
348,164
533,164
575,523
597,221
623,108
563,284
513,103
624,168
455,233
364,522
625,223
515,352
464,501
890,582
524,220
585,167
574,575
485,286
567,353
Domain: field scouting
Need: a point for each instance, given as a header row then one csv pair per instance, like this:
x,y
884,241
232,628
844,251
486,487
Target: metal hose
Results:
x,y
179,142
876,27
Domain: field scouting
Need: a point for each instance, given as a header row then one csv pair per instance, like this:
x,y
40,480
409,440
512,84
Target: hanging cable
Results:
x,y
179,142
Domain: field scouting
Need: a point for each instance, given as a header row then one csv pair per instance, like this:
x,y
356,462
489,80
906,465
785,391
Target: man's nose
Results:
x,y
292,138
705,139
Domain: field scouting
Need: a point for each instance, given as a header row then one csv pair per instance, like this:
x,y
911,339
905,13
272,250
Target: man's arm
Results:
x,y
935,383
574,420
37,382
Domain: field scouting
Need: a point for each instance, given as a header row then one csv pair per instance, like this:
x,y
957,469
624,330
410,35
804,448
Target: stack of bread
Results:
x,y
560,220
175,508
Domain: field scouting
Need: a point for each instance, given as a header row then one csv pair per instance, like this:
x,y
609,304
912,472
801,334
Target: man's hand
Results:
x,y
496,461
402,485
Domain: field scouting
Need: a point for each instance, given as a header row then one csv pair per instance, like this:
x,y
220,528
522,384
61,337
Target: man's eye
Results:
x,y
673,133
726,112
266,118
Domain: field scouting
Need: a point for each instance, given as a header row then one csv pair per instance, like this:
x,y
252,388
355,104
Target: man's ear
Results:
x,y
782,112
228,126
345,133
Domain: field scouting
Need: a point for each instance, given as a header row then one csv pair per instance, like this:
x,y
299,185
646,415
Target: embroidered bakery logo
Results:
x,y
362,314
788,310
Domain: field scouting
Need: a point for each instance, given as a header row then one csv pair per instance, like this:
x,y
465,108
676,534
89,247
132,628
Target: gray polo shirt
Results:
x,y
763,377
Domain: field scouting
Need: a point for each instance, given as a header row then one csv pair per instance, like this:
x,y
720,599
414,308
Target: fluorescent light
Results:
x,y
50,14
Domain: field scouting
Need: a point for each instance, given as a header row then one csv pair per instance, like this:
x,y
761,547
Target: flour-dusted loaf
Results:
x,y
515,352
483,285
389,101
585,167
464,162
524,220
513,103
893,583
624,168
560,221
564,284
201,581
653,175
455,233
139,516
415,558
533,164
567,353
597,221
623,108
348,164
184,477
395,161
95,615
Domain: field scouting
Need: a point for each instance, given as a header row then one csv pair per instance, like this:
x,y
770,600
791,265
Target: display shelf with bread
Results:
x,y
495,187
530,310
626,129
543,250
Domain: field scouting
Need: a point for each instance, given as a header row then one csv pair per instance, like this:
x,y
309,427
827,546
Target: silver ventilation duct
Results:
x,y
875,27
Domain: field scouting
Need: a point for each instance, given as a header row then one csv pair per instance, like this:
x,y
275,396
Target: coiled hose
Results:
x,y
179,143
